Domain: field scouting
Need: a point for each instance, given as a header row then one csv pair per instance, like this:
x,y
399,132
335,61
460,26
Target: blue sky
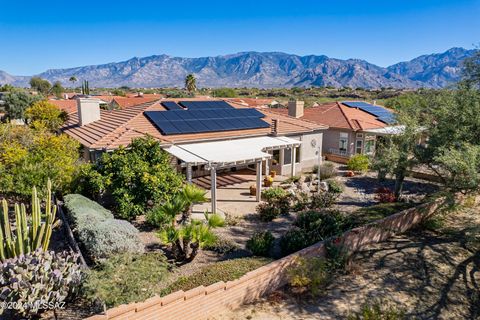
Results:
x,y
38,35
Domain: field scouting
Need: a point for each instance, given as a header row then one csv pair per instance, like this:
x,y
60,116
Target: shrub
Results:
x,y
222,245
313,226
310,274
327,170
358,163
135,177
227,270
378,311
273,194
30,157
335,186
293,240
261,243
301,201
384,195
43,114
277,203
100,235
111,236
126,278
38,277
323,200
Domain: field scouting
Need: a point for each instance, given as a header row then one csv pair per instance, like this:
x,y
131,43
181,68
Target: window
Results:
x,y
287,156
369,146
343,142
297,155
275,157
358,146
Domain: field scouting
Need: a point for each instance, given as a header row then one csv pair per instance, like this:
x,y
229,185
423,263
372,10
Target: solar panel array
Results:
x,y
170,105
205,105
205,117
382,114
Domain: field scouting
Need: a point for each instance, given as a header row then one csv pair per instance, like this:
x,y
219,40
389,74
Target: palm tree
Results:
x,y
191,194
73,79
190,83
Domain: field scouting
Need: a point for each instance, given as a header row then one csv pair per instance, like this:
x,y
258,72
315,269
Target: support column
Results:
x,y
267,167
213,189
294,158
319,167
189,172
259,180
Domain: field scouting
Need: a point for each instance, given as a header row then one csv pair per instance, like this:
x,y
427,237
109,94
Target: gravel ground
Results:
x,y
428,274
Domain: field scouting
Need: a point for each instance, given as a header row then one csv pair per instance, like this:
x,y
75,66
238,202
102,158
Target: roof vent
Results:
x,y
88,110
275,123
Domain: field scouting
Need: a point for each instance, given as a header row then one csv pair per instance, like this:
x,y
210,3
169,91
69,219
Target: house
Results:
x,y
252,102
204,136
353,127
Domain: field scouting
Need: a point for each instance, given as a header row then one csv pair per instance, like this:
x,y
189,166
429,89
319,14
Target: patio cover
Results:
x,y
387,130
230,151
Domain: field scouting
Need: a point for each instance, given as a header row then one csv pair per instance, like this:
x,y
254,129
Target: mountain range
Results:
x,y
263,70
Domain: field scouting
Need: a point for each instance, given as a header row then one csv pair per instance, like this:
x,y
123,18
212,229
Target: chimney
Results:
x,y
295,108
88,110
275,127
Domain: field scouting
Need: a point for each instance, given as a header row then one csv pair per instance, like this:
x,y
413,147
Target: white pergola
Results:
x,y
227,153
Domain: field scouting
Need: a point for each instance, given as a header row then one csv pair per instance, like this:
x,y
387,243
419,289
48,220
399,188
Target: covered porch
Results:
x,y
220,155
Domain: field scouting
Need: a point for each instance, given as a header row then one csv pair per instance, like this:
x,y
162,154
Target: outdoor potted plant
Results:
x,y
349,173
253,190
273,173
268,181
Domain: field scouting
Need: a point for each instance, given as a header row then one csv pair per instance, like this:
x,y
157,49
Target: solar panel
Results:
x,y
191,105
170,105
381,113
206,120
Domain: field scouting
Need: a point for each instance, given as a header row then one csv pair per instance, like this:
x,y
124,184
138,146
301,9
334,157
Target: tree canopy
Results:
x,y
136,178
190,83
17,101
41,85
43,114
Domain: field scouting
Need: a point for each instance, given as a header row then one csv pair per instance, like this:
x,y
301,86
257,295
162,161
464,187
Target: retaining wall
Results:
x,y
203,302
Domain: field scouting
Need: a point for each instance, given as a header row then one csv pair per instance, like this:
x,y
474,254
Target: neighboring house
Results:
x,y
203,136
125,102
70,106
351,129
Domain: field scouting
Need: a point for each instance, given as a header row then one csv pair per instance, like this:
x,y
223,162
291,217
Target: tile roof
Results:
x,y
338,115
68,106
119,127
125,102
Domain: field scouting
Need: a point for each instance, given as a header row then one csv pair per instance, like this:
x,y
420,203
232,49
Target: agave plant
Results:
x,y
28,234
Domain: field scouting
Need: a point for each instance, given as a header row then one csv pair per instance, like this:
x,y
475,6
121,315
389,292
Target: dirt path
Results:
x,y
428,274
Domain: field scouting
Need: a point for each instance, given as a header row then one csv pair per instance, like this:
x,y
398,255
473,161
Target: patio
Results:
x,y
232,198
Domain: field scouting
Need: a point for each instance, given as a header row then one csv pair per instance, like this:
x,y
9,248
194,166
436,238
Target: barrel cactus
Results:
x,y
28,233
37,281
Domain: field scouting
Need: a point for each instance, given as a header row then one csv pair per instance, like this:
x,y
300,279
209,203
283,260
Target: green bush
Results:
x,y
38,277
222,245
293,240
335,186
323,200
277,202
313,226
227,270
126,278
358,163
99,234
272,194
261,243
134,177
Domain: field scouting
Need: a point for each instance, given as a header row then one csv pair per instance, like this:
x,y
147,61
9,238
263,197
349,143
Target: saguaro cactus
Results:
x,y
29,234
